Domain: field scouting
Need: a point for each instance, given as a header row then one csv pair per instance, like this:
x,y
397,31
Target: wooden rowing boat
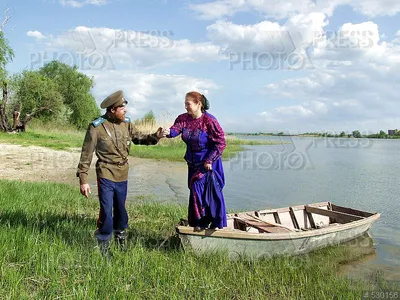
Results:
x,y
284,231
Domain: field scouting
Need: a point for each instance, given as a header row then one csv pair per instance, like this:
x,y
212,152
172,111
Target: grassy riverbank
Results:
x,y
67,138
47,250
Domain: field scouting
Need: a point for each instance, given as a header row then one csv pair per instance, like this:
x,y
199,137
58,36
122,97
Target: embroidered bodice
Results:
x,y
201,135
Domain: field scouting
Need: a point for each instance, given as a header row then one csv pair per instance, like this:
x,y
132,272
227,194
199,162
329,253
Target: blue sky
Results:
x,y
293,66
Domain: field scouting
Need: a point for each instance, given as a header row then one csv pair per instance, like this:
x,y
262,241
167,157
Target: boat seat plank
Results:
x,y
269,223
277,219
351,211
261,226
294,219
336,216
310,219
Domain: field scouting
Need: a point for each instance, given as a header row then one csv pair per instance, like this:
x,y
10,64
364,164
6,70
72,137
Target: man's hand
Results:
x,y
85,190
159,133
162,132
207,166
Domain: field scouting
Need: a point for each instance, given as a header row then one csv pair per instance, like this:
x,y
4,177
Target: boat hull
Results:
x,y
255,246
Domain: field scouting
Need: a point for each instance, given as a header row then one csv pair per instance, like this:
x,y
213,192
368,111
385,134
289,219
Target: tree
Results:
x,y
75,90
38,94
356,134
342,134
382,135
147,123
150,118
6,52
6,55
35,96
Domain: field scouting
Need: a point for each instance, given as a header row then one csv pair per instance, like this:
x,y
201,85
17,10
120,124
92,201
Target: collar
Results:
x,y
110,118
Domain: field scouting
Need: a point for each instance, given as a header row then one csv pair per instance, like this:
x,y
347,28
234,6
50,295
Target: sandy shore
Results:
x,y
146,176
34,163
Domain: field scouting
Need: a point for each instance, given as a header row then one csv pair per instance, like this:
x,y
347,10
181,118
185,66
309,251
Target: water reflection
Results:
x,y
361,252
364,265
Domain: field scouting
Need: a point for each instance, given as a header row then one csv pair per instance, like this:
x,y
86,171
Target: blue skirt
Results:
x,y
206,200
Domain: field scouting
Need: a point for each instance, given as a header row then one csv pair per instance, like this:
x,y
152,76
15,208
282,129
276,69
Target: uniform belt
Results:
x,y
120,163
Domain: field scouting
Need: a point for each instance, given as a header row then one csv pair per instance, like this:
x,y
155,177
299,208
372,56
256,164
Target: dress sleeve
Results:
x,y
176,129
217,136
139,138
89,146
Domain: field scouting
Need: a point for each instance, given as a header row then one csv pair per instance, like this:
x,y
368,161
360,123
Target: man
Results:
x,y
110,136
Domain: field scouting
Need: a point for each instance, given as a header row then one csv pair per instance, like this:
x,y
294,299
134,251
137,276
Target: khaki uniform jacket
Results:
x,y
111,142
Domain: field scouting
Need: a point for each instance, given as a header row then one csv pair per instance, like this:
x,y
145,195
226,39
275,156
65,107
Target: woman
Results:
x,y
205,142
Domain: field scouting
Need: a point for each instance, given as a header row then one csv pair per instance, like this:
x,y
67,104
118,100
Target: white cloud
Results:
x,y
267,44
281,9
349,42
217,9
374,8
355,84
105,48
306,110
78,4
144,91
36,34
271,43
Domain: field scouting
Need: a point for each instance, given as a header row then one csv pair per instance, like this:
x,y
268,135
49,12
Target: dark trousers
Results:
x,y
112,195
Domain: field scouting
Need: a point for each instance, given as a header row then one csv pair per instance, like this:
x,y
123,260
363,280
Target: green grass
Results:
x,y
54,139
66,139
48,251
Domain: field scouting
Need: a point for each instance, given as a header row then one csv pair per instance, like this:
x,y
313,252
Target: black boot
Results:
x,y
104,247
120,239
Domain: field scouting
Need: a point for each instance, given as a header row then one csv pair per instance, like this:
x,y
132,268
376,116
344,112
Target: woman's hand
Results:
x,y
165,132
207,166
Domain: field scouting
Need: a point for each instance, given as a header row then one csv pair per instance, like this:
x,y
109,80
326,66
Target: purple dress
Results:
x,y
205,141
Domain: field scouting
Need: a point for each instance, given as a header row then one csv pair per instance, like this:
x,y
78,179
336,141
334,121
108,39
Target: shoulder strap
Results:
x,y
98,121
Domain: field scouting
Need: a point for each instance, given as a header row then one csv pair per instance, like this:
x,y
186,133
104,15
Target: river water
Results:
x,y
357,173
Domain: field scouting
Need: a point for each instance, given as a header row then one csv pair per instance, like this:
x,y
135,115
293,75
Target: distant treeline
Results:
x,y
257,133
354,134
